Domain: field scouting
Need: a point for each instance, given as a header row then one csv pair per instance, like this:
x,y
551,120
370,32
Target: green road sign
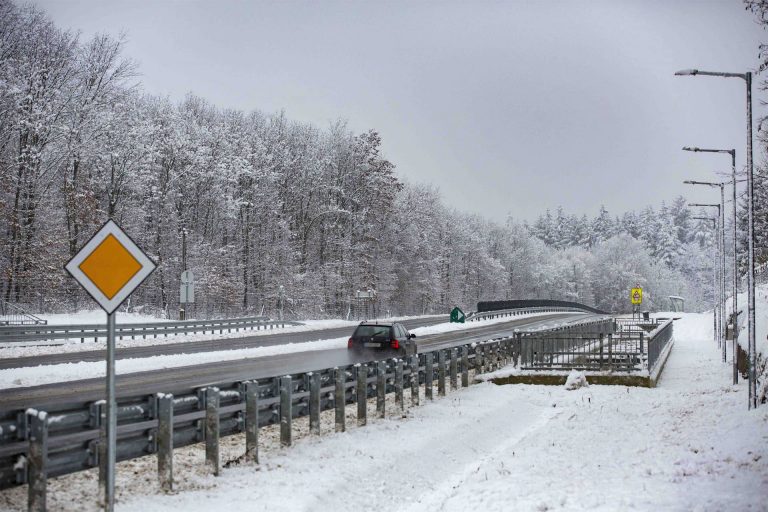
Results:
x,y
457,315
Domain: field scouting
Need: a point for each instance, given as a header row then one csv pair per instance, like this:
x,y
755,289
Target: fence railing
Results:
x,y
11,314
658,340
621,345
96,332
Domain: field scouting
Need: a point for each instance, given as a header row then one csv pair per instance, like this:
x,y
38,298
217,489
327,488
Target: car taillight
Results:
x,y
395,344
349,343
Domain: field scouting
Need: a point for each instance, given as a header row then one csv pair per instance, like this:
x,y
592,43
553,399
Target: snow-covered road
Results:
x,y
39,375
689,444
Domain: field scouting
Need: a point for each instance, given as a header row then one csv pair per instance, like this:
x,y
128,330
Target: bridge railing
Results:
x,y
97,332
607,344
485,315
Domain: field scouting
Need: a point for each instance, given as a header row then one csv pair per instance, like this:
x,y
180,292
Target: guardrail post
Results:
x,y
414,364
252,421
454,369
286,410
381,388
212,460
165,441
441,372
314,403
38,462
340,398
518,349
362,394
464,366
429,375
399,383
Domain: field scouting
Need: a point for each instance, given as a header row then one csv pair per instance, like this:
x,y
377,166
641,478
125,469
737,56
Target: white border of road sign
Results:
x,y
147,266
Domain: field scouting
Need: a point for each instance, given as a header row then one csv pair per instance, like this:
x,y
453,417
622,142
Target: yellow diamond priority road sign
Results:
x,y
110,266
636,295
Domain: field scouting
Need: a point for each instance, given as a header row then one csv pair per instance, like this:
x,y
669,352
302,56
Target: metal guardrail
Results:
x,y
485,315
17,334
11,314
35,445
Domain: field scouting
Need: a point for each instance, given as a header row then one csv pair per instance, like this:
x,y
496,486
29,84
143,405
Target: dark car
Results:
x,y
383,337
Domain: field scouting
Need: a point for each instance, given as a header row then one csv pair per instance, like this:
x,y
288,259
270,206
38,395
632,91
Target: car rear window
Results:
x,y
373,331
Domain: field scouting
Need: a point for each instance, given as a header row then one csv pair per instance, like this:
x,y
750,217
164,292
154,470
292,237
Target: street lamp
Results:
x,y
720,281
747,77
721,216
735,284
714,270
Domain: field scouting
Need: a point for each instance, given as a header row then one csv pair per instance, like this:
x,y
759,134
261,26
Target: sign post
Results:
x,y
186,293
110,266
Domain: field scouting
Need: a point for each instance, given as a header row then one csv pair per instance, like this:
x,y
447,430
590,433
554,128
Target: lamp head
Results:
x,y
687,72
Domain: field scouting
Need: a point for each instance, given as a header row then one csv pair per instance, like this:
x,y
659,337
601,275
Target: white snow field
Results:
x,y
690,444
48,374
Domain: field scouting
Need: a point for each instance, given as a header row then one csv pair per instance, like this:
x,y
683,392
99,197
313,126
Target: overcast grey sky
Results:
x,y
509,107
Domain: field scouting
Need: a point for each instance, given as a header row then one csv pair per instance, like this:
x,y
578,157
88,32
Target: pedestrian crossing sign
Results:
x,y
636,296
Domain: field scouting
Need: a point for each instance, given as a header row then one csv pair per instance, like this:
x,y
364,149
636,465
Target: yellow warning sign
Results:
x,y
636,295
110,266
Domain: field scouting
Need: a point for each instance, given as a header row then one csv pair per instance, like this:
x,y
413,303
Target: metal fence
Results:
x,y
35,445
608,345
96,332
11,314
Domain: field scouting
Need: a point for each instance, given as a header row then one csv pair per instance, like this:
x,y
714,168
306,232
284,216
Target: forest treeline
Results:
x,y
263,201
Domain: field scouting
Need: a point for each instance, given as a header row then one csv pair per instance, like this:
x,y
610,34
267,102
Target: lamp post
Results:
x,y
721,212
720,280
735,284
747,77
714,270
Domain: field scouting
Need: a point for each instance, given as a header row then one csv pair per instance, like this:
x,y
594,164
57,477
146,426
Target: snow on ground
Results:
x,y
48,374
690,444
